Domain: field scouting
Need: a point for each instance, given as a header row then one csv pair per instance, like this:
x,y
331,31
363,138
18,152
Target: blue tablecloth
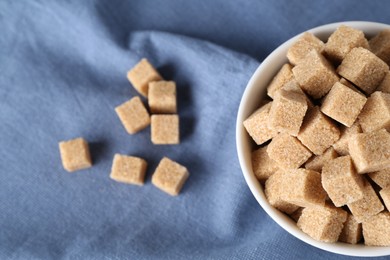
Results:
x,y
63,70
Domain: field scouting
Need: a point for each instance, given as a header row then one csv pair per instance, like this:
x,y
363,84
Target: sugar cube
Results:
x,y
282,77
385,195
376,112
315,75
368,206
381,178
385,84
165,129
363,68
263,166
170,176
380,45
370,152
323,223
141,74
287,111
376,230
343,104
306,43
287,151
352,231
133,115
128,169
162,97
342,41
75,154
318,132
316,162
341,181
257,125
341,146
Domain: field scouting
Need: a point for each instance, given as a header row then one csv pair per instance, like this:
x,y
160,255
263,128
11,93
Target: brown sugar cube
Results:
x,y
342,41
140,76
363,68
170,176
165,129
380,45
343,104
368,206
287,151
382,178
303,188
385,84
75,154
293,85
282,77
370,152
306,43
323,223
315,75
352,231
162,97
341,181
316,162
263,166
376,112
128,169
287,111
257,125
133,115
318,132
296,214
341,146
376,230
275,188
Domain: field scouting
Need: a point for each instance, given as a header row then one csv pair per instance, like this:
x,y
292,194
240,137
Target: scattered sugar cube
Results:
x,y
303,188
370,152
341,146
128,169
287,111
306,43
318,132
257,125
287,151
296,214
165,129
170,176
282,77
263,166
75,154
341,181
381,178
140,76
363,68
376,230
385,84
323,223
315,75
133,115
368,206
380,45
352,231
376,112
342,41
162,97
316,162
343,104
274,189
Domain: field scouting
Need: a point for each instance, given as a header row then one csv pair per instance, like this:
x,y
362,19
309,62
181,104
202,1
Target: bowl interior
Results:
x,y
254,93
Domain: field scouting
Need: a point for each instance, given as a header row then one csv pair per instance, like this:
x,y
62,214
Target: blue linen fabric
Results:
x,y
63,70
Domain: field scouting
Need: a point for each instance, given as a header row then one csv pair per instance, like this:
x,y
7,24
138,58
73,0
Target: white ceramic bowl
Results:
x,y
255,91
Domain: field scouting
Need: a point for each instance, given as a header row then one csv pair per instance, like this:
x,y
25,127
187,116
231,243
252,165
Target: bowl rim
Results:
x,y
242,144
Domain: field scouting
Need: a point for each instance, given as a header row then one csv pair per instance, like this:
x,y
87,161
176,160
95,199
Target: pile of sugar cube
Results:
x,y
169,175
323,151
